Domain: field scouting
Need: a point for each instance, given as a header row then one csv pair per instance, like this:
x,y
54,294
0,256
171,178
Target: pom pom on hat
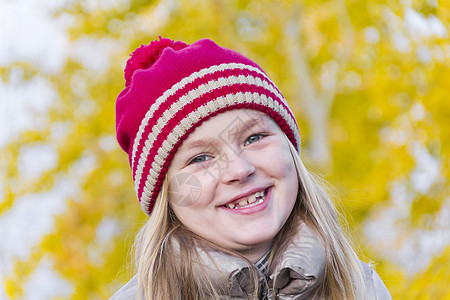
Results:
x,y
146,55
177,88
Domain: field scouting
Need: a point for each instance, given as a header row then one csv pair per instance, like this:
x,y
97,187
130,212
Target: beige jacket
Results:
x,y
301,270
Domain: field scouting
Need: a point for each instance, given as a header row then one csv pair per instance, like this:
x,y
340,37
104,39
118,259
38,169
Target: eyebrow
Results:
x,y
249,124
242,127
212,142
203,143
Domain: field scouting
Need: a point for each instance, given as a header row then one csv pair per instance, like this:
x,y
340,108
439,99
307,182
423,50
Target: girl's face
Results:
x,y
233,181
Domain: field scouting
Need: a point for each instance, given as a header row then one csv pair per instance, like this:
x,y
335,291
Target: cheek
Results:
x,y
283,162
192,201
188,189
285,168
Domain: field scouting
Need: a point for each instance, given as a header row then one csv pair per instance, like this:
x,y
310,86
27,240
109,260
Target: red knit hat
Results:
x,y
171,88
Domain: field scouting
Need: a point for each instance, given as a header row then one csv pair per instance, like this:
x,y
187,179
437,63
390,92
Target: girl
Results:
x,y
214,151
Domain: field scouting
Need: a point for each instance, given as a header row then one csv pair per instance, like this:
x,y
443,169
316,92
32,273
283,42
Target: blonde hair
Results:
x,y
166,252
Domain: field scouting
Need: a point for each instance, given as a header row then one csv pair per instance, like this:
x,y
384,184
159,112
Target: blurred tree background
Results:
x,y
367,80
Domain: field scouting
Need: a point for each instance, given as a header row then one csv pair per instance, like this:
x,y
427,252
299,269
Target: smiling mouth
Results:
x,y
249,201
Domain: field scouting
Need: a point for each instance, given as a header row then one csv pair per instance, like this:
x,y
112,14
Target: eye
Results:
x,y
253,138
199,159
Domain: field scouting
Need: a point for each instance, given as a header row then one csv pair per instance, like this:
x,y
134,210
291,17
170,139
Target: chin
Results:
x,y
258,237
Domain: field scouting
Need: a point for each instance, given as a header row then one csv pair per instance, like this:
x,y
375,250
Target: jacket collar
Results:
x,y
300,269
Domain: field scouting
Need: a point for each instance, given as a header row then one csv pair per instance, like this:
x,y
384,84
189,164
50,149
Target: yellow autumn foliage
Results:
x,y
370,95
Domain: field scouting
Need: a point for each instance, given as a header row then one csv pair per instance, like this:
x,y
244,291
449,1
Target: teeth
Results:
x,y
243,202
253,200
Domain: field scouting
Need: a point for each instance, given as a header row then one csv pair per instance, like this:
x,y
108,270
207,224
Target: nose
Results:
x,y
238,170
